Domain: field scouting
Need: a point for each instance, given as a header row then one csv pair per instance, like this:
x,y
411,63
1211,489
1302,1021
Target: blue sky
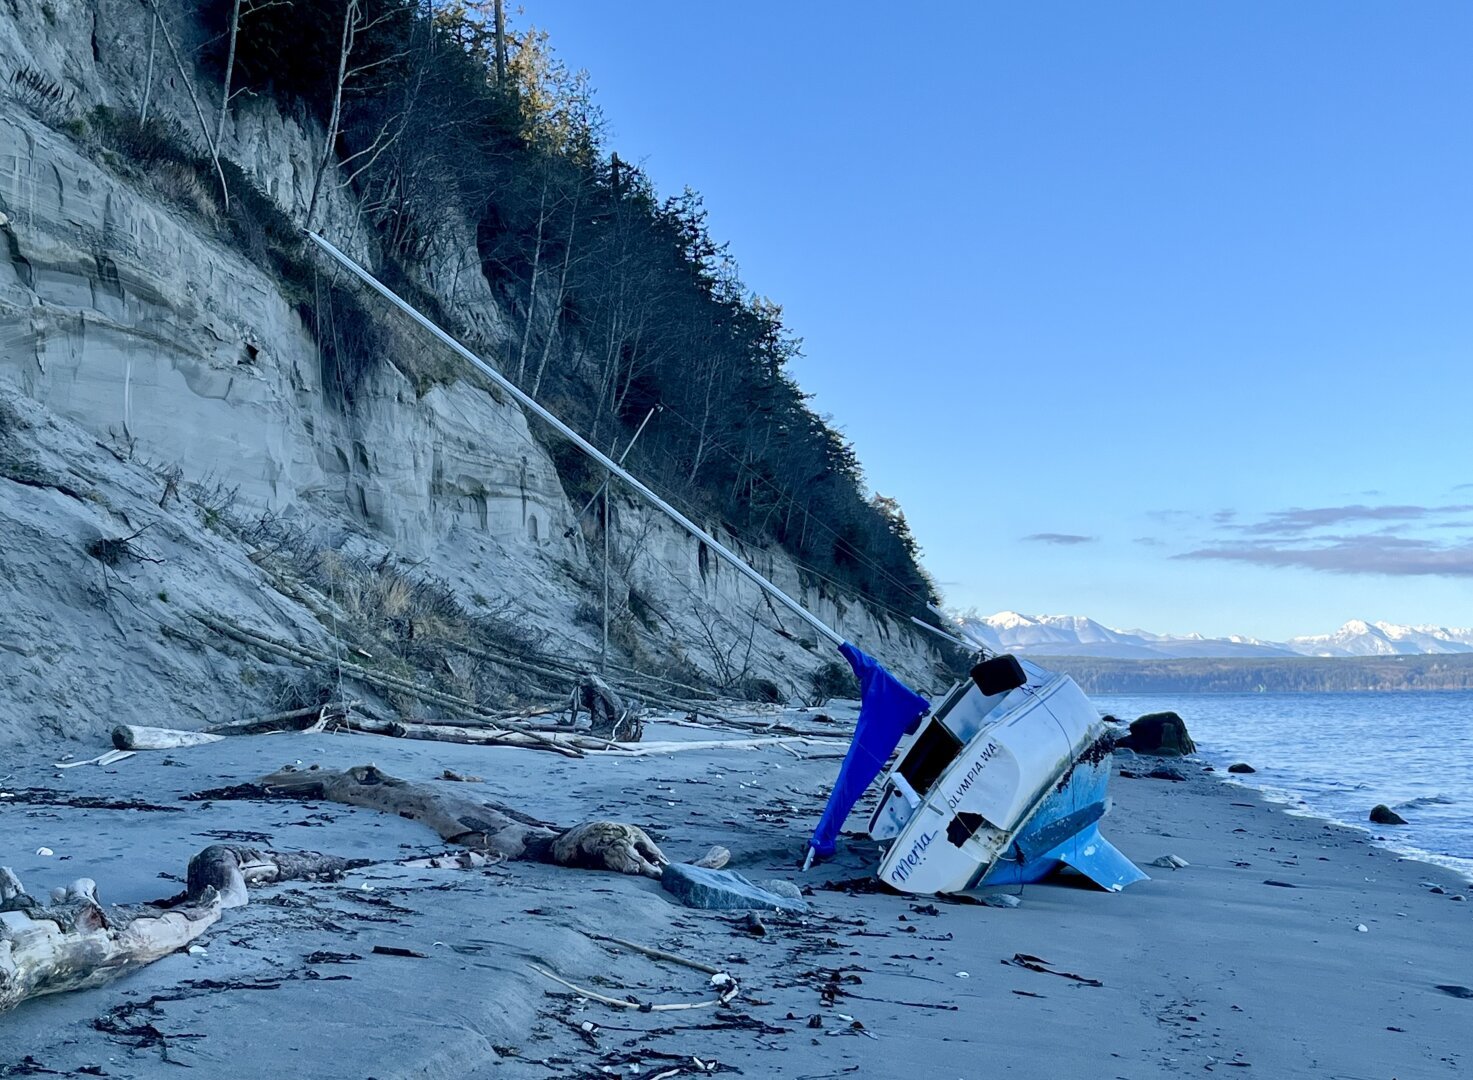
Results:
x,y
1157,313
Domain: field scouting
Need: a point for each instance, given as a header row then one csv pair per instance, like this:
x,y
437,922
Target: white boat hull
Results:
x,y
989,784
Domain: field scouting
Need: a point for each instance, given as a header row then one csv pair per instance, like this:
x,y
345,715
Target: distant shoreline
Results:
x,y
1275,675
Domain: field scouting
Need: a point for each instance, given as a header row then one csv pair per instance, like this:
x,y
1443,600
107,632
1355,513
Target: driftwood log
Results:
x,y
135,737
560,741
482,825
132,737
74,942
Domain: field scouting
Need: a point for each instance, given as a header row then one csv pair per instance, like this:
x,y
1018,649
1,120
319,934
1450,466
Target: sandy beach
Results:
x,y
1249,961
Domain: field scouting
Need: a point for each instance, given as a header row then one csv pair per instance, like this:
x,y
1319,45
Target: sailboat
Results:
x,y
1003,783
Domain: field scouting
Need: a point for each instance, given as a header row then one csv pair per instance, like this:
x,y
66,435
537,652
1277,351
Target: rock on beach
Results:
x,y
1382,814
1161,734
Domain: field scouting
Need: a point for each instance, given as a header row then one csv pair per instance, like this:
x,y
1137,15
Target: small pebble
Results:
x,y
963,975
44,851
1362,928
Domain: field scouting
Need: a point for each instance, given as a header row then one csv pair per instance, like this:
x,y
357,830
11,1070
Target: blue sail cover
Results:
x,y
888,710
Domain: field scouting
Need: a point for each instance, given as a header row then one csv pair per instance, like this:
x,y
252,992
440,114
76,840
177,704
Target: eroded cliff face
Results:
x,y
126,317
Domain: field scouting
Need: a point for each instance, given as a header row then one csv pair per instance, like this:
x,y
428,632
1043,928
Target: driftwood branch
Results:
x,y
731,990
654,954
561,741
75,943
293,720
587,744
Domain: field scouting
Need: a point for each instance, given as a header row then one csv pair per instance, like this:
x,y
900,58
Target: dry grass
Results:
x,y
397,620
183,186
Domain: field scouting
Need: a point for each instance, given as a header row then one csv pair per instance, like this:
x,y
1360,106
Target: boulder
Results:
x,y
1242,767
1382,814
722,890
1162,734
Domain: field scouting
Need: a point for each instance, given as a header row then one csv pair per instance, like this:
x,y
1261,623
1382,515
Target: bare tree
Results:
x,y
229,73
355,24
240,9
731,663
153,37
537,246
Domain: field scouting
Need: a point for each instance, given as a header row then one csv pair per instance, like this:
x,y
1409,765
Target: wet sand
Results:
x,y
1203,969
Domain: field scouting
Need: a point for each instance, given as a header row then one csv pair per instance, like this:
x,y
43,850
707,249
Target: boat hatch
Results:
x,y
933,750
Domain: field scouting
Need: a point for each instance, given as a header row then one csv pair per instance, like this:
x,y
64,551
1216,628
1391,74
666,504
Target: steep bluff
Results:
x,y
141,356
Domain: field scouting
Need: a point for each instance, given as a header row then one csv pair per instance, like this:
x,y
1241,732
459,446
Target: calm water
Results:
x,y
1337,755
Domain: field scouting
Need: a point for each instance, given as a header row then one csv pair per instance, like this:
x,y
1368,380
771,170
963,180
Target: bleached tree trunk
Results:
x,y
75,943
532,290
229,74
153,37
345,50
558,297
133,737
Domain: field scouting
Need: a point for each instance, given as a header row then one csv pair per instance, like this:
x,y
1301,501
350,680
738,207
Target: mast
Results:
x,y
738,563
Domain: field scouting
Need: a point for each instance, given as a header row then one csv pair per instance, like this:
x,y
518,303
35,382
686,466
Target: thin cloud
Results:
x,y
1149,541
1222,517
1060,538
1297,521
1388,555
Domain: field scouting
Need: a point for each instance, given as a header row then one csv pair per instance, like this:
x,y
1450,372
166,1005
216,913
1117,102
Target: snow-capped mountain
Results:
x,y
1076,635
1360,638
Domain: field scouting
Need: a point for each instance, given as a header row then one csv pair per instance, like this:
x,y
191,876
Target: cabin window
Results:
x,y
934,749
